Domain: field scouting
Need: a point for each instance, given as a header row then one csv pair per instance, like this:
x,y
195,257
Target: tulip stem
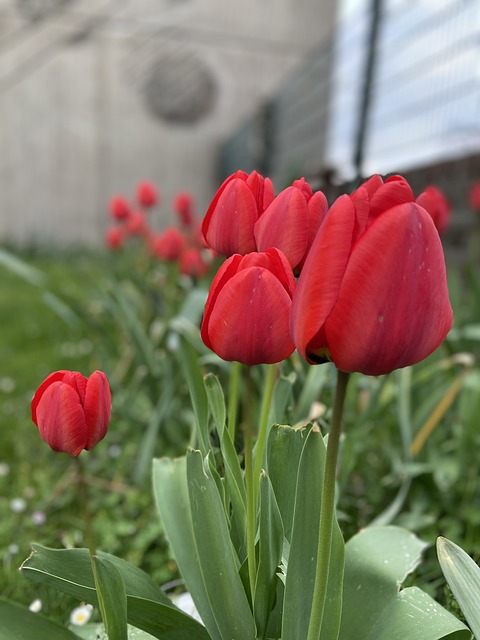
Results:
x,y
233,395
270,378
327,511
85,510
251,507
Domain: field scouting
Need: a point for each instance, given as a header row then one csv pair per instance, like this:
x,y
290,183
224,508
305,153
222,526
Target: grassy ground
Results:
x,y
38,499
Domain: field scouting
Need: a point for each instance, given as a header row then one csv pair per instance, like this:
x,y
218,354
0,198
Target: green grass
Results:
x,y
34,341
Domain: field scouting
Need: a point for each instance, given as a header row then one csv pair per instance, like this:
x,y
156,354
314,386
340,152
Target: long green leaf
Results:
x,y
18,623
463,577
377,561
301,568
112,598
216,402
270,554
218,561
284,448
171,495
236,491
194,376
148,608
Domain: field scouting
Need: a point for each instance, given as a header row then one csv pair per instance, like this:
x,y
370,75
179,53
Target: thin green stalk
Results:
x,y
233,395
87,519
251,506
84,508
270,378
327,511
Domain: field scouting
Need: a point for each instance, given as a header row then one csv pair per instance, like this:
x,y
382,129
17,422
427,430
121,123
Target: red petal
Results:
x,y
285,225
231,222
250,320
53,377
395,191
393,308
228,269
321,277
98,403
61,419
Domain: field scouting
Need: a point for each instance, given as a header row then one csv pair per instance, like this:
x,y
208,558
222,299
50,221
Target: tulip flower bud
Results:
x,y
192,263
119,208
247,312
169,245
230,219
437,205
372,296
114,238
147,194
71,411
183,207
291,222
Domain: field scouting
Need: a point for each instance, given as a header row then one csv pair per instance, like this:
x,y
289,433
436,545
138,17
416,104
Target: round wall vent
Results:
x,y
179,87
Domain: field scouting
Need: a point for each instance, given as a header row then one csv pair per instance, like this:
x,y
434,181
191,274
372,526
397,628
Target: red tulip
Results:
x,y
230,219
114,237
248,309
136,224
437,205
169,245
71,411
147,194
183,206
291,222
192,263
372,295
474,196
119,208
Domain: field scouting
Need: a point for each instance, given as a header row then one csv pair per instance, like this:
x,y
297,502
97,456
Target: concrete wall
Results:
x,y
75,126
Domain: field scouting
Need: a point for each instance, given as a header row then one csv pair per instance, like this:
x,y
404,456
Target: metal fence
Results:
x,y
422,106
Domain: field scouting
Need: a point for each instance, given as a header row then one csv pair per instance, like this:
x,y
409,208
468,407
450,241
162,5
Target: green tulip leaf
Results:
x,y
236,492
19,623
217,559
96,631
282,395
112,598
377,561
216,402
148,608
299,585
173,503
194,377
284,448
270,555
463,577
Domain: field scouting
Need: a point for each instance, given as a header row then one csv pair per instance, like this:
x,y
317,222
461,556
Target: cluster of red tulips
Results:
x,y
361,283
181,243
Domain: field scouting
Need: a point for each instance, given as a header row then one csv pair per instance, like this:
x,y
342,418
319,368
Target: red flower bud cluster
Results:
x,y
371,294
182,244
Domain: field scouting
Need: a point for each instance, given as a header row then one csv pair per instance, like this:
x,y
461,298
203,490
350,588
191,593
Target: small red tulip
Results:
x,y
291,222
230,219
192,263
372,295
248,309
147,194
71,411
437,205
183,207
119,208
114,238
169,245
474,196
136,224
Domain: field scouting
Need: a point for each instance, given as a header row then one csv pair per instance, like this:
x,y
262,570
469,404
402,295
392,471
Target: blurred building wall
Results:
x,y
98,95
